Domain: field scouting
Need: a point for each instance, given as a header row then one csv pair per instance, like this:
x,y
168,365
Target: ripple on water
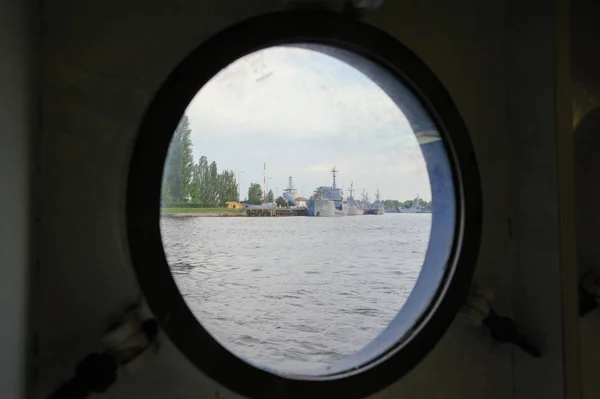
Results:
x,y
295,301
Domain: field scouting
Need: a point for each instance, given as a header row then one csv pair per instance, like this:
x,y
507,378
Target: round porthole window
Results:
x,y
303,208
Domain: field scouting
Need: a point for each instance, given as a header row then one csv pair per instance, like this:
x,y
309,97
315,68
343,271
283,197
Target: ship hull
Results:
x,y
325,208
355,211
374,211
412,210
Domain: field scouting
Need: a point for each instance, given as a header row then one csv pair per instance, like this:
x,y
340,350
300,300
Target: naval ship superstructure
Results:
x,y
330,202
354,208
415,208
371,208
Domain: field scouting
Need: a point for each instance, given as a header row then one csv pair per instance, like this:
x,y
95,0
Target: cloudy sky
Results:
x,y
301,113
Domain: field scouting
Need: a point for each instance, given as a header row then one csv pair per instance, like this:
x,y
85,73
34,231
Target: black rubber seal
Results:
x,y
144,187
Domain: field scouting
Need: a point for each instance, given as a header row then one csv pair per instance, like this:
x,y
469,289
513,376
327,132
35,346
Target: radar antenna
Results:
x,y
334,171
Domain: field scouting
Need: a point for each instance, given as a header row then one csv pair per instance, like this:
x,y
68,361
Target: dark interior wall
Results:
x,y
585,62
16,122
104,61
585,69
538,116
102,64
584,41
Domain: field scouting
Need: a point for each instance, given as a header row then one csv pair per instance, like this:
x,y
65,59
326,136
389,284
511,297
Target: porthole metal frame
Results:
x,y
343,38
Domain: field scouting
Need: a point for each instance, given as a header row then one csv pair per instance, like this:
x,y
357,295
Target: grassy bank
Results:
x,y
199,210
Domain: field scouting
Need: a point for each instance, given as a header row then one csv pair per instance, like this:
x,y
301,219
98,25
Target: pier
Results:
x,y
275,212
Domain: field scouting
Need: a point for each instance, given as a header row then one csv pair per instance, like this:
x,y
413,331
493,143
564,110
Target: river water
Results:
x,y
296,293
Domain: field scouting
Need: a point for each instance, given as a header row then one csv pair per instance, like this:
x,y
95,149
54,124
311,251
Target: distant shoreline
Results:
x,y
223,212
203,214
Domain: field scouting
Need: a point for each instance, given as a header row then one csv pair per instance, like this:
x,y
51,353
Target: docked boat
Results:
x,y
416,207
329,202
354,208
374,208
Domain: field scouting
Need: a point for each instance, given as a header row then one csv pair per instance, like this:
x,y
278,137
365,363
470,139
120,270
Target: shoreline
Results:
x,y
203,214
234,214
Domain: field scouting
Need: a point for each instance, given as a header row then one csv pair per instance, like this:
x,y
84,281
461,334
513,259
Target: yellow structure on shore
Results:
x,y
234,205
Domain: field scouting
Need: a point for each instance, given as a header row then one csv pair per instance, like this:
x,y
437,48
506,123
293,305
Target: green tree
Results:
x,y
208,187
165,195
427,205
195,184
255,194
420,202
391,204
204,187
213,183
227,187
318,193
280,201
407,204
270,197
180,162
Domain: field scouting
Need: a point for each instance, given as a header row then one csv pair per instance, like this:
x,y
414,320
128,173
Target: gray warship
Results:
x,y
377,207
372,208
415,208
354,208
330,202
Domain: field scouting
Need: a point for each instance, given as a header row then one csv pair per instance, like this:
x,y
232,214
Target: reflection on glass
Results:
x,y
296,209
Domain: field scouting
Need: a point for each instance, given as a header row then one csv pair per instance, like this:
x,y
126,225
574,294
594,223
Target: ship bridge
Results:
x,y
333,193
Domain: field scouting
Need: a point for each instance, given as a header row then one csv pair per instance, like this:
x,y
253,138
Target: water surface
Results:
x,y
296,293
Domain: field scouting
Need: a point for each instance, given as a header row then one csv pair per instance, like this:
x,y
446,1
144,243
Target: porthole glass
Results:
x,y
312,208
306,262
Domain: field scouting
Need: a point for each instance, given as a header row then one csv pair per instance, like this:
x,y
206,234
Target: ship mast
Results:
x,y
334,171
377,195
351,189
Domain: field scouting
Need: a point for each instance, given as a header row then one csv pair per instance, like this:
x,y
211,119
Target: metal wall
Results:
x,y
17,118
101,64
585,72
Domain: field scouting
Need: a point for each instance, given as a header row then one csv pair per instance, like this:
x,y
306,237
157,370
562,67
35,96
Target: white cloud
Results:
x,y
303,112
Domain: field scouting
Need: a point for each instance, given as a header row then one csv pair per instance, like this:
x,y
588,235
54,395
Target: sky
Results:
x,y
301,113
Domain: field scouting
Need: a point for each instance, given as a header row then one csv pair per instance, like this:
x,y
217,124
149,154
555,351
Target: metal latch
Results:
x,y
126,342
478,311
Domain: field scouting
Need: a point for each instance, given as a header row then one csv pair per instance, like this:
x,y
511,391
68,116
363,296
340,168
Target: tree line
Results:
x,y
200,184
186,183
256,195
387,204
